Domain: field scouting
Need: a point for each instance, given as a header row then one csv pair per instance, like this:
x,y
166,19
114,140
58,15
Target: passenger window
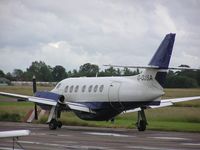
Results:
x,y
76,88
71,89
83,88
66,89
90,88
95,88
101,88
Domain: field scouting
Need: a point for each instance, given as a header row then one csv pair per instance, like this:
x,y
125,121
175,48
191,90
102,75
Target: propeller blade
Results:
x,y
36,113
34,90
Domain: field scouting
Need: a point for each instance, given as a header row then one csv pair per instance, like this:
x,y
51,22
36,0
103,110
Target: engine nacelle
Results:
x,y
50,95
61,99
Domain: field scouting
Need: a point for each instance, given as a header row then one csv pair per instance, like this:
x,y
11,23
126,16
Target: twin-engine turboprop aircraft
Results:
x,y
102,98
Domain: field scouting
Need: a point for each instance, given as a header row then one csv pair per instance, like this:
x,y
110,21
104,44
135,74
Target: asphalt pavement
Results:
x,y
90,138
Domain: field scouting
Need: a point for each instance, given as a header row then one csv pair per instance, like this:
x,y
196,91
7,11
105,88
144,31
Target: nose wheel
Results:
x,y
141,122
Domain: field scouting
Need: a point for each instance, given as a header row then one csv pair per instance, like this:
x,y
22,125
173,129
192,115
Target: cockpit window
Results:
x,y
58,85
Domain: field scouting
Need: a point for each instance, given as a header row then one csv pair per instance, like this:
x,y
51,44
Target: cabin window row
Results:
x,y
83,89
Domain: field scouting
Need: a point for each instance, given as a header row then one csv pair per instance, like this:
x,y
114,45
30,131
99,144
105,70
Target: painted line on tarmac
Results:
x,y
39,134
52,134
191,144
151,148
169,138
66,142
65,146
7,148
107,134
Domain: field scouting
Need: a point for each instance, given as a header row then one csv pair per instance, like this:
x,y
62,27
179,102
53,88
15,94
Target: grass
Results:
x,y
183,117
173,93
26,90
174,126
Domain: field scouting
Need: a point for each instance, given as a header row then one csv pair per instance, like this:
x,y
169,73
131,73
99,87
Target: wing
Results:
x,y
14,133
169,102
166,102
47,101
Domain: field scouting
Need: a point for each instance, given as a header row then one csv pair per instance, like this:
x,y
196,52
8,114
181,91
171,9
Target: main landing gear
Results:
x,y
53,118
141,122
54,124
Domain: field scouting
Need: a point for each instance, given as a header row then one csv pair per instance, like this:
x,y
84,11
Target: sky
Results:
x,y
73,32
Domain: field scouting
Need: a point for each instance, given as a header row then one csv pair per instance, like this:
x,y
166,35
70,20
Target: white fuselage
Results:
x,y
109,89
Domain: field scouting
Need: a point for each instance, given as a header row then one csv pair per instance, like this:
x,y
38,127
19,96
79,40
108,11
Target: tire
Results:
x,y
141,125
59,123
53,124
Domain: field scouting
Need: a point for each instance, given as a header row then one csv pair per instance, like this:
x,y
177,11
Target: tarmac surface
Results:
x,y
89,138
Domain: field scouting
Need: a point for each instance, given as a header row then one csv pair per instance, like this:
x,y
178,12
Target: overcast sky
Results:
x,y
73,32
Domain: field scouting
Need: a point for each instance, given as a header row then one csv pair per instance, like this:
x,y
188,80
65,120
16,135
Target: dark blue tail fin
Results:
x,y
163,54
162,57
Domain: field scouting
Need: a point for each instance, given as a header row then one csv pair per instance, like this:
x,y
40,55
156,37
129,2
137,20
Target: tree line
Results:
x,y
44,72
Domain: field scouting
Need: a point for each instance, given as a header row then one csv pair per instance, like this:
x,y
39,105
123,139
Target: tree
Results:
x,y
108,72
89,70
46,73
127,71
40,70
198,77
2,73
18,74
75,73
180,82
9,76
59,73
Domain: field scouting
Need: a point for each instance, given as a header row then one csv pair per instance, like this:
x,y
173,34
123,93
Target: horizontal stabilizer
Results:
x,y
151,67
14,133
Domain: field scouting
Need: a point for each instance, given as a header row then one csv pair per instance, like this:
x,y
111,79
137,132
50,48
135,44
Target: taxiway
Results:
x,y
70,137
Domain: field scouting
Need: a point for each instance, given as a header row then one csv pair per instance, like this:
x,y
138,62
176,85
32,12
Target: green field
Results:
x,y
180,117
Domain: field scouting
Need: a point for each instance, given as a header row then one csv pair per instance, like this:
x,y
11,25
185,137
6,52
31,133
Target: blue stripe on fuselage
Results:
x,y
125,105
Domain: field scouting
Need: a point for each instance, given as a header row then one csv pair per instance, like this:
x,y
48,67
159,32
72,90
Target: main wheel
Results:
x,y
53,124
59,123
141,125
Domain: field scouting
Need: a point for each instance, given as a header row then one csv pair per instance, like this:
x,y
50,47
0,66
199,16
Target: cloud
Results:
x,y
71,33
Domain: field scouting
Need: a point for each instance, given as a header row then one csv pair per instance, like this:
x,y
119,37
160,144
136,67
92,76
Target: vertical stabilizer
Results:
x,y
161,59
163,54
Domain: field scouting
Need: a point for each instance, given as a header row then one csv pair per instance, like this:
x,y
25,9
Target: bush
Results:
x,y
180,82
10,117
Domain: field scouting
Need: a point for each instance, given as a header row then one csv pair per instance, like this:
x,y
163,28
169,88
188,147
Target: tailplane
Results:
x,y
159,64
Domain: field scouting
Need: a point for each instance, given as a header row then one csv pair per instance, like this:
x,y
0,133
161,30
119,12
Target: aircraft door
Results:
x,y
113,95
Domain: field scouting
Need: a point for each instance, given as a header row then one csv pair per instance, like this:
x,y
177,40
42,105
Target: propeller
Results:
x,y
34,90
